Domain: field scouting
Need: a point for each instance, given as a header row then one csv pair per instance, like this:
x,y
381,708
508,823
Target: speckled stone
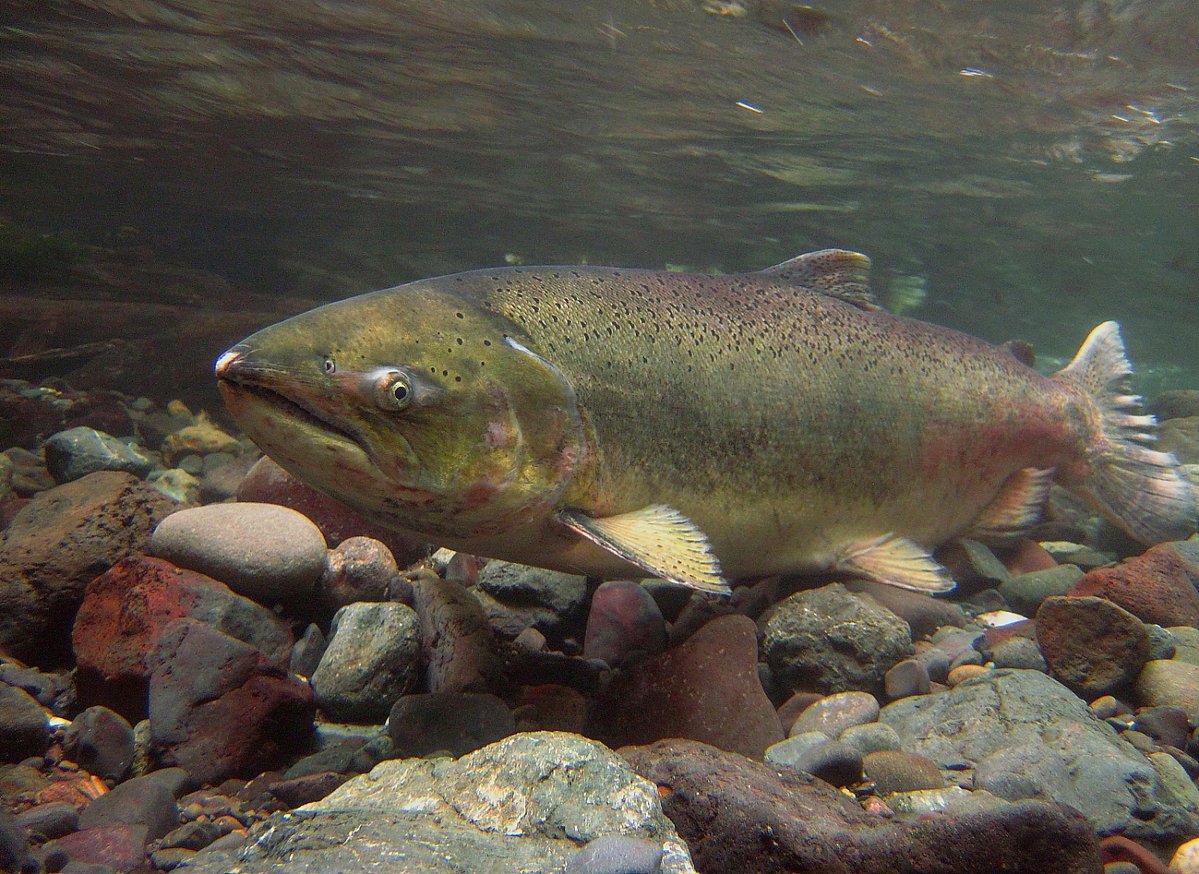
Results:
x,y
900,771
835,713
1090,644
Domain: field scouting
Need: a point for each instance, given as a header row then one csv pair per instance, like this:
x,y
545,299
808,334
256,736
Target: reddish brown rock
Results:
x,y
743,817
56,544
121,847
123,615
706,689
1157,587
268,483
623,619
1090,644
457,644
1027,556
219,708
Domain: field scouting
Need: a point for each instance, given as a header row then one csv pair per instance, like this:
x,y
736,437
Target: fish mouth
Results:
x,y
311,419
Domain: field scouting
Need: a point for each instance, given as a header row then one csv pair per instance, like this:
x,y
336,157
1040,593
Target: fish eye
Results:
x,y
329,365
393,391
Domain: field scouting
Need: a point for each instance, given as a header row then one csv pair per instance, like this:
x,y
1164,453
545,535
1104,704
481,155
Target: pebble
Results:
x,y
871,737
1186,644
925,801
833,762
6,469
563,595
121,847
177,484
453,722
200,437
307,652
1186,858
617,854
146,801
168,859
357,569
76,452
1161,642
373,658
790,709
193,835
263,551
24,726
623,619
835,713
1025,592
964,672
1169,681
101,741
908,677
899,771
1165,724
1018,652
787,752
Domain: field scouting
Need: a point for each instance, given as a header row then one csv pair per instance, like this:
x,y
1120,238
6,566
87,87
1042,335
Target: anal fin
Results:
x,y
1016,507
659,539
896,561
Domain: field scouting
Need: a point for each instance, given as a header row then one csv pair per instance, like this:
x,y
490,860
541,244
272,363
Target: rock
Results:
x,y
29,475
549,601
743,817
372,659
220,708
307,652
145,800
1025,592
76,452
1165,724
833,714
624,619
617,854
268,553
101,741
833,762
201,437
1186,644
454,722
14,846
52,690
871,737
268,483
177,484
24,727
6,469
193,835
965,672
306,789
1161,642
830,640
47,821
705,689
1158,586
790,709
125,611
56,544
1186,858
923,613
1181,437
551,707
121,847
909,677
1017,651
899,771
1029,735
1170,682
1090,644
457,645
1026,556
357,569
523,804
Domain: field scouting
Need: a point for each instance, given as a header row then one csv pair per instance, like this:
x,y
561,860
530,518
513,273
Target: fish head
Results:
x,y
417,407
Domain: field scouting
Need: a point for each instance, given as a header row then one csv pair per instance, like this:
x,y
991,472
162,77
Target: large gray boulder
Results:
x,y
524,804
1028,736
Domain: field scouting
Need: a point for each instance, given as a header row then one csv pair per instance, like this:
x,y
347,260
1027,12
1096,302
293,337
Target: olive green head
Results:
x,y
413,405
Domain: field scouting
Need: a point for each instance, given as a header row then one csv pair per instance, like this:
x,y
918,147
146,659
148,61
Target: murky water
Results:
x,y
1024,169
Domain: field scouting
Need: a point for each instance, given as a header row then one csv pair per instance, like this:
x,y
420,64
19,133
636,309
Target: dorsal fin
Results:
x,y
838,273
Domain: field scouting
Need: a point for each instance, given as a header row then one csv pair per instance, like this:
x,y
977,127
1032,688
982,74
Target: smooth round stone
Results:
x,y
906,678
1018,652
835,713
76,452
871,737
357,569
1169,681
177,484
617,854
266,552
832,761
24,727
1161,642
101,742
899,771
927,800
964,672
1186,858
1025,592
1090,644
787,752
47,821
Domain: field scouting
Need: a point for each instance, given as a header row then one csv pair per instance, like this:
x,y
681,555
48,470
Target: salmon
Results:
x,y
701,429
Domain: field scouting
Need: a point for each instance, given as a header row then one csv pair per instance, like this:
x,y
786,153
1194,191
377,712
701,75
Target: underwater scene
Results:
x,y
721,436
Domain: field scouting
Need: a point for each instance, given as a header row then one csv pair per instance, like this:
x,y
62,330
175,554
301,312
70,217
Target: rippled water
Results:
x,y
1024,169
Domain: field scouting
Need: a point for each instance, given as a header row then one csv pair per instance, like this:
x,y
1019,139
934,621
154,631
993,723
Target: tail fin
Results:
x,y
1139,488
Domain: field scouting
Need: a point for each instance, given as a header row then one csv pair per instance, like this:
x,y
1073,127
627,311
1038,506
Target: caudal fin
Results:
x,y
1139,488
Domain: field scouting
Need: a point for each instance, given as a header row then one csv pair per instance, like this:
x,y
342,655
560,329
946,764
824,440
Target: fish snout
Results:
x,y
231,365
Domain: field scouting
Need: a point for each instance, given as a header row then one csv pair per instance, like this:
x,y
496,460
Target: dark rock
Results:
x,y
307,652
871,737
123,615
547,600
24,727
1026,556
1165,724
1161,642
14,845
1158,586
1025,592
268,483
269,553
194,835
371,753
457,644
1016,651
1175,404
47,821
923,613
1090,644
219,707
306,789
834,713
101,741
334,756
28,414
59,542
706,689
832,761
372,659
623,619
170,858
909,677
78,451
122,847
357,569
1170,682
617,854
899,771
50,689
830,640
459,723
143,800
1027,726
1181,437
742,817
790,709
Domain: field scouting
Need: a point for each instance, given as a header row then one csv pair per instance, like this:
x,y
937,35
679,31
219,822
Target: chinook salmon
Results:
x,y
700,429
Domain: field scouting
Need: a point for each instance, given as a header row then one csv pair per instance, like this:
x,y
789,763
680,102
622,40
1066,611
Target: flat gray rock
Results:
x,y
525,804
1028,736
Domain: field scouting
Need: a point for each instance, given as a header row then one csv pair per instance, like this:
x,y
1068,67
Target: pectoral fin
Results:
x,y
662,541
896,561
1015,509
